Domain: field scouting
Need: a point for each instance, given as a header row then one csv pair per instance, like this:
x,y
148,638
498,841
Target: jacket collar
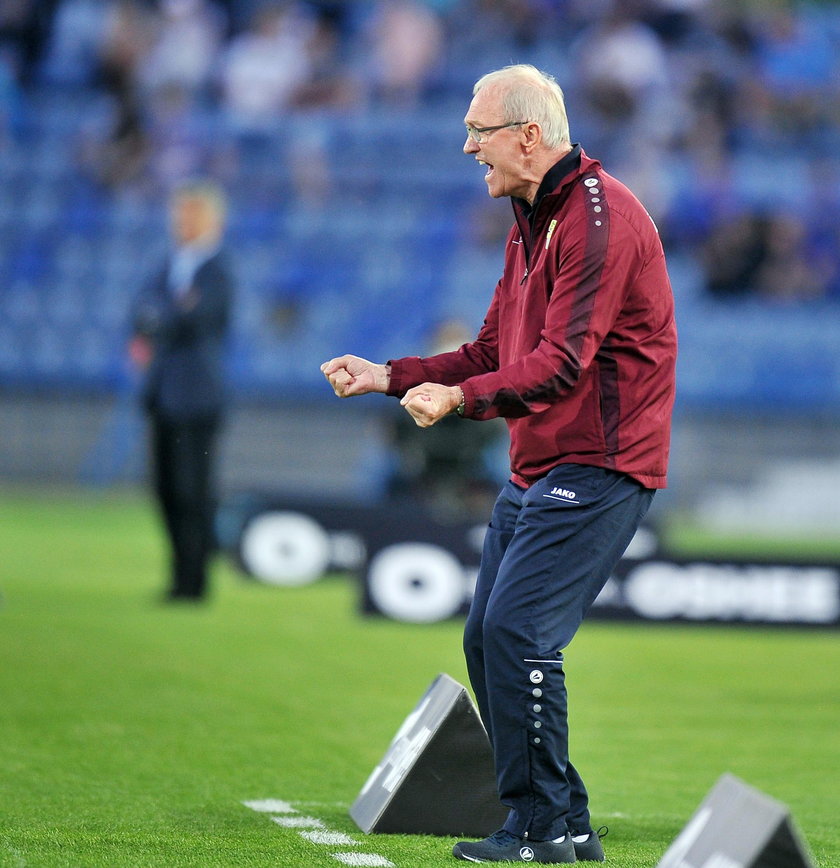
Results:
x,y
550,182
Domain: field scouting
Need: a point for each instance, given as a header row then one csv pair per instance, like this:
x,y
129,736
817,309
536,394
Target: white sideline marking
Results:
x,y
298,822
317,832
366,859
332,839
270,806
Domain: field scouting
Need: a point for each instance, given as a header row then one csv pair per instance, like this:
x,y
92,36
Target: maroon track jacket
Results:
x,y
578,349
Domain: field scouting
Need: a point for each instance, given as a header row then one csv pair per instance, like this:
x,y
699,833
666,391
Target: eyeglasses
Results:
x,y
481,134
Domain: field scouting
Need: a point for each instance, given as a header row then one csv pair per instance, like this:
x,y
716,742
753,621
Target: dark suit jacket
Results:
x,y
185,379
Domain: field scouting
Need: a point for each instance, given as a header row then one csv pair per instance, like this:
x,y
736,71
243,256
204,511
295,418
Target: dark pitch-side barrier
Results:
x,y
416,566
737,826
436,777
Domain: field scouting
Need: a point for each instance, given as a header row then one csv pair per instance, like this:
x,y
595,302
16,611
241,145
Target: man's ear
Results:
x,y
532,135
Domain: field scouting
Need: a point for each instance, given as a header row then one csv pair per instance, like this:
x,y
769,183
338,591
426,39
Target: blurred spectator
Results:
x,y
764,256
187,38
274,76
733,255
120,156
263,68
406,51
788,273
622,66
180,323
330,83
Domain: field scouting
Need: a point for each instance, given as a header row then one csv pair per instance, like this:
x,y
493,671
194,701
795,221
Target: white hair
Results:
x,y
531,95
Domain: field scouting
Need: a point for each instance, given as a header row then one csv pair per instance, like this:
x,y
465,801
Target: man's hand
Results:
x,y
350,375
430,402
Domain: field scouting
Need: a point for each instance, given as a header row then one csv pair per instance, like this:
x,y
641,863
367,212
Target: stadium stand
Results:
x,y
358,224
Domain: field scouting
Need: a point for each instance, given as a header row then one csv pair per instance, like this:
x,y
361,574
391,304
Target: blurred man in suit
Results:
x,y
180,322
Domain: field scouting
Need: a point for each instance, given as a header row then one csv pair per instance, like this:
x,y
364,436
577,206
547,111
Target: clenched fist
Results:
x,y
351,375
430,402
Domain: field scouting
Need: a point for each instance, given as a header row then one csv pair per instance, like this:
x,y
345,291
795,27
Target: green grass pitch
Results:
x,y
132,732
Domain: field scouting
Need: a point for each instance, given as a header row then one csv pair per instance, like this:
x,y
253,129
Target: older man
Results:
x,y
577,353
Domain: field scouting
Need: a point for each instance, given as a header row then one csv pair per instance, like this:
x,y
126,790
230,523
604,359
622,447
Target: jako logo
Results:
x,y
526,854
562,494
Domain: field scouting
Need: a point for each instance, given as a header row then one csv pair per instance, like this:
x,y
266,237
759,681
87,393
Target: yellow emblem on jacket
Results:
x,y
549,233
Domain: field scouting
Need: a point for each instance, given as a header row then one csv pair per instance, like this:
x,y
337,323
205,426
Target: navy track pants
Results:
x,y
548,552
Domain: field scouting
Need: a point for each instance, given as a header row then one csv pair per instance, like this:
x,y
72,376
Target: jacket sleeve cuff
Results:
x,y
405,373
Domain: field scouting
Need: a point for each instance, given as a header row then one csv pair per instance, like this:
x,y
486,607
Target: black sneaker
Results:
x,y
588,846
502,846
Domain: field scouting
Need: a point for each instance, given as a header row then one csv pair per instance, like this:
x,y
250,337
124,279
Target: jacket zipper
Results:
x,y
527,237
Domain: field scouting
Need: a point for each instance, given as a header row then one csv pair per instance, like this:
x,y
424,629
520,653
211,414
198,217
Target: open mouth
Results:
x,y
490,168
